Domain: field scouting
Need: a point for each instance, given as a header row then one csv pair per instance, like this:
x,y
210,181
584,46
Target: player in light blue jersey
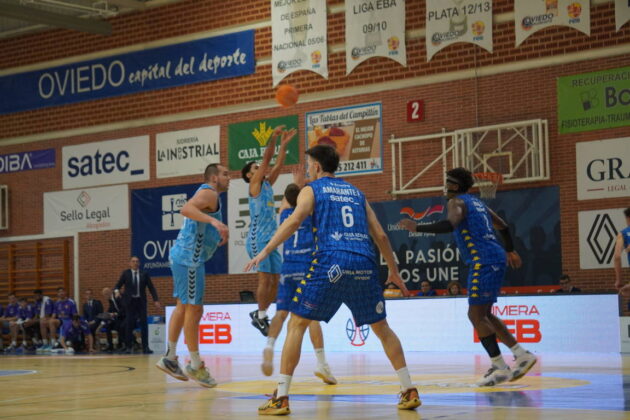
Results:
x,y
297,253
473,225
263,223
622,244
343,269
202,232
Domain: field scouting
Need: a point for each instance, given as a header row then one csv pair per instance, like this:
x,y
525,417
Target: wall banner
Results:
x,y
247,141
299,39
105,208
155,223
375,28
451,21
622,13
532,16
186,152
26,161
603,168
106,162
356,133
598,235
203,60
594,101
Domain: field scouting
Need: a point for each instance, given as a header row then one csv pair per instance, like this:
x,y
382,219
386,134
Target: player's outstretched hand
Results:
x,y
408,224
514,260
255,261
287,136
299,175
224,232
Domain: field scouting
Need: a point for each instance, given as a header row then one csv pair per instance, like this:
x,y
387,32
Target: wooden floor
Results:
x,y
561,386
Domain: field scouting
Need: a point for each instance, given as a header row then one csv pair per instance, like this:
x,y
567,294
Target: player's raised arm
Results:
x,y
287,136
305,204
382,242
255,182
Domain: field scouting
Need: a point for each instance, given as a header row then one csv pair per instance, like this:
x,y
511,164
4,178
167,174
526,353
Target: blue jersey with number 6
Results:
x,y
340,218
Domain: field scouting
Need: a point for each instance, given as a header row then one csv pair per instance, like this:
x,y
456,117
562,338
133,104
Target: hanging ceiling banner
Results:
x,y
454,21
532,16
622,13
375,28
298,37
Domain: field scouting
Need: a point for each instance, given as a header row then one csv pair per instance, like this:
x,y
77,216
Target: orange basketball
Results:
x,y
287,95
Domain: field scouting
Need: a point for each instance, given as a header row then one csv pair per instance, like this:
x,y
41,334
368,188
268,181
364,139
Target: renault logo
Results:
x,y
601,238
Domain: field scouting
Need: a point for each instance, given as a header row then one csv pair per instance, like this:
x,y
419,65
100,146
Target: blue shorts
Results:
x,y
292,274
340,277
272,264
484,283
189,283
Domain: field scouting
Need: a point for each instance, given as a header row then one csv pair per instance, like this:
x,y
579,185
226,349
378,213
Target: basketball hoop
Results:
x,y
487,182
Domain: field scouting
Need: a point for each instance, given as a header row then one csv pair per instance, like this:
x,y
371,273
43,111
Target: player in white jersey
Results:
x,y
263,223
202,232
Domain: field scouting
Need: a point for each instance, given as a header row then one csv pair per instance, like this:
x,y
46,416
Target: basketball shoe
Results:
x,y
171,367
201,376
409,399
323,372
522,365
261,325
495,376
275,406
267,364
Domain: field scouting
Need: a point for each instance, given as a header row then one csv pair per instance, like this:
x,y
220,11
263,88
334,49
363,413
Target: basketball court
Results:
x,y
562,386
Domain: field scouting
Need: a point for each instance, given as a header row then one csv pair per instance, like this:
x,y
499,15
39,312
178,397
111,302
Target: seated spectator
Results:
x,y
454,289
425,289
10,315
116,321
91,308
391,291
25,324
63,311
76,332
566,286
43,313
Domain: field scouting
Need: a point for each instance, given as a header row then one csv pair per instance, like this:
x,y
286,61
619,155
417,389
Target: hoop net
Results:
x,y
487,182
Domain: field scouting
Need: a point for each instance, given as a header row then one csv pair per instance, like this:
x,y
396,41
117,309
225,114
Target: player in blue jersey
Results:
x,y
622,244
263,224
76,332
202,232
343,269
9,316
473,225
63,310
296,260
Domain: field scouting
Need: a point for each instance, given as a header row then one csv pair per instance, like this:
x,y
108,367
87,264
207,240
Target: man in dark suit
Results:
x,y
116,321
91,308
134,299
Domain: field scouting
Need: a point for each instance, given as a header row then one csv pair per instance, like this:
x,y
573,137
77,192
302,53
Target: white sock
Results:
x,y
195,360
498,362
271,342
517,350
171,353
262,313
405,379
321,357
283,385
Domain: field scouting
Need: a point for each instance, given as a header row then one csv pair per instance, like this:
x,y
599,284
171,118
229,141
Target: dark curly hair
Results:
x,y
462,177
246,169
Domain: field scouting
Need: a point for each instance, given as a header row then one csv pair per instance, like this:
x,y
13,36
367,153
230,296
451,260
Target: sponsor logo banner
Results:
x,y
299,41
203,60
532,16
454,21
239,218
622,13
25,161
106,162
544,323
594,101
603,168
186,152
427,256
375,28
155,222
355,131
93,209
598,235
247,141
